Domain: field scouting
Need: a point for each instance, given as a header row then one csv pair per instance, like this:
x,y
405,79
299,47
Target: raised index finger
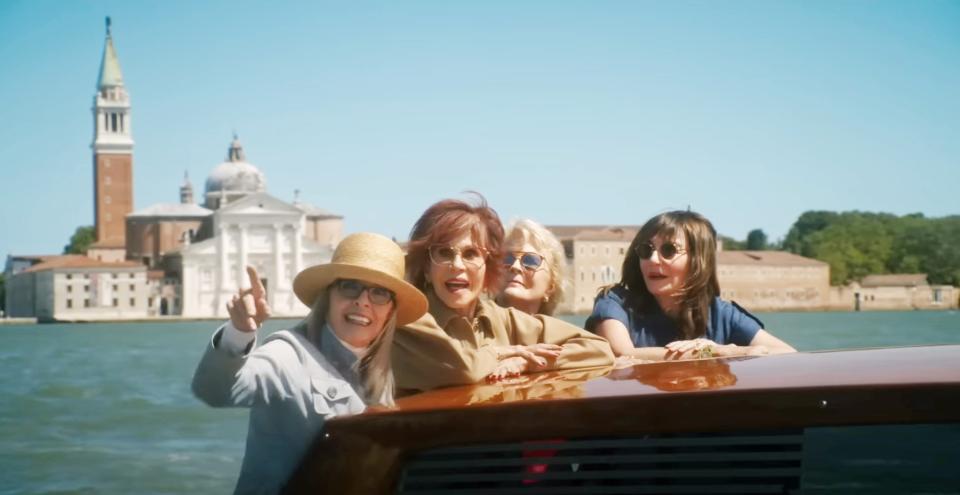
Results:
x,y
256,287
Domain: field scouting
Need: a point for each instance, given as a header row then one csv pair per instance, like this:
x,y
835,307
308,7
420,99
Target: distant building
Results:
x,y
112,158
201,251
894,292
257,230
595,256
77,288
773,280
18,263
171,258
162,228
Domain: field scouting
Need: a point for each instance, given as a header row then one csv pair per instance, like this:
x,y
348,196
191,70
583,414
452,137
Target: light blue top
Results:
x,y
291,387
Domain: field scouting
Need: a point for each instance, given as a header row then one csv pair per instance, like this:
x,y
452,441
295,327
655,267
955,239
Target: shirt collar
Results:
x,y
341,357
444,314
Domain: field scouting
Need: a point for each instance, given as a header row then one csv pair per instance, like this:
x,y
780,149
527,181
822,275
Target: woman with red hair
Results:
x,y
454,257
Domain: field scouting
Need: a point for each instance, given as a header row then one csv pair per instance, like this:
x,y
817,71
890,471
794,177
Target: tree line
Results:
x,y
857,244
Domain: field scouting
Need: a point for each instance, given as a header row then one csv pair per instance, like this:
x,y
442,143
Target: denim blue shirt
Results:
x,y
728,322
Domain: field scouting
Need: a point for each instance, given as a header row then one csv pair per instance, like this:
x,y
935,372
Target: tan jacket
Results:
x,y
442,348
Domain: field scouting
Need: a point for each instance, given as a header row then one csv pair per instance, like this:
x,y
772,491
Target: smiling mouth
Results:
x,y
358,320
456,285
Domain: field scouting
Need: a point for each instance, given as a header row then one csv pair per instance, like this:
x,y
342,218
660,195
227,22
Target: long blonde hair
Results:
x,y
374,368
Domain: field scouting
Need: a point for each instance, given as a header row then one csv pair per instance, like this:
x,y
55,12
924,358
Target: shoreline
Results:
x,y
179,319
157,319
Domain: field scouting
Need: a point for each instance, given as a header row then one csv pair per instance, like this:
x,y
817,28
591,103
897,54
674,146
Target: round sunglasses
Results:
x,y
530,261
351,289
668,250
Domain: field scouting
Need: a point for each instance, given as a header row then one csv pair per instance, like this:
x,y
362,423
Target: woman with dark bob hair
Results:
x,y
455,257
667,304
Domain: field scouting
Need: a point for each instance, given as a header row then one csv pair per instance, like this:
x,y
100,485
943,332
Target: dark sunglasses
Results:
x,y
667,251
351,289
530,261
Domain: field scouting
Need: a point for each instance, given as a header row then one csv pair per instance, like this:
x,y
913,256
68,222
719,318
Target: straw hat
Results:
x,y
370,258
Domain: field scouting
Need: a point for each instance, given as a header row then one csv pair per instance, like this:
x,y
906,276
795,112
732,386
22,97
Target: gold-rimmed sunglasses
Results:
x,y
446,255
529,261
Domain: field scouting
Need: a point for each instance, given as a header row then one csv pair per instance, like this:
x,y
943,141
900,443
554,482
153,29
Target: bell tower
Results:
x,y
112,158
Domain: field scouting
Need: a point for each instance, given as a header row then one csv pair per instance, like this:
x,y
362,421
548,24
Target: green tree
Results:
x,y
81,239
756,240
731,244
856,244
931,247
808,223
3,294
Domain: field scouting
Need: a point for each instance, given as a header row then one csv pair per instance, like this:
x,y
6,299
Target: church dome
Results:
x,y
236,175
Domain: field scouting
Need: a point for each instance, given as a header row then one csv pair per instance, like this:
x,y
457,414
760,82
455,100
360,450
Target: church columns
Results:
x,y
242,268
297,250
224,268
277,266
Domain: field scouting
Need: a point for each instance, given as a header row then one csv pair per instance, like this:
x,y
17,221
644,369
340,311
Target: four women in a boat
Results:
x,y
667,304
383,324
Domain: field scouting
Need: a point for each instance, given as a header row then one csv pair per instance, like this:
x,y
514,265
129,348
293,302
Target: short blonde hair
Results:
x,y
547,244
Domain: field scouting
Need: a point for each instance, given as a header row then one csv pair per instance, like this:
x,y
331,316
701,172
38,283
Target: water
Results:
x,y
107,408
824,331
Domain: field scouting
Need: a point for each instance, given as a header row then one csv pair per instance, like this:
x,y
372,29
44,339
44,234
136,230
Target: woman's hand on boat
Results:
x,y
509,367
248,308
693,349
537,355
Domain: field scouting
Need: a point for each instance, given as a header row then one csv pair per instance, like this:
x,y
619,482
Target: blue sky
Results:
x,y
568,112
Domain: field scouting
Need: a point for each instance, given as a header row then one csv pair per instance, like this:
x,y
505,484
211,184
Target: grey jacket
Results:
x,y
291,388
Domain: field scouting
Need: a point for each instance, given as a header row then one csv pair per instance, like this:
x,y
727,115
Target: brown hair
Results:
x,y
701,286
446,220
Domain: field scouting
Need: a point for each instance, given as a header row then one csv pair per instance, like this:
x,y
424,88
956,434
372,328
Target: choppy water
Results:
x,y
107,408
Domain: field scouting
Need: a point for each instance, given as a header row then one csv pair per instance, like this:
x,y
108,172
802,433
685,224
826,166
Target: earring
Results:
x,y
546,299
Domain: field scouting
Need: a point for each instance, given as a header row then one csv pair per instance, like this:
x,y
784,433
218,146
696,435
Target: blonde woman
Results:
x,y
536,268
336,361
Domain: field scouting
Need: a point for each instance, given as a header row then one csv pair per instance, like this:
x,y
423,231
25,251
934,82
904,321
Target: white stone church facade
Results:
x,y
258,230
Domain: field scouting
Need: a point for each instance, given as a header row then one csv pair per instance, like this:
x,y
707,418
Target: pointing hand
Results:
x,y
248,308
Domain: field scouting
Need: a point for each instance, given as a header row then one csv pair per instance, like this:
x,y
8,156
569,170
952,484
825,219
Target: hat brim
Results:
x,y
309,283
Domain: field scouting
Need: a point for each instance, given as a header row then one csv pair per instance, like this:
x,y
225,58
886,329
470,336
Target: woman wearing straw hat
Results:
x,y
336,361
